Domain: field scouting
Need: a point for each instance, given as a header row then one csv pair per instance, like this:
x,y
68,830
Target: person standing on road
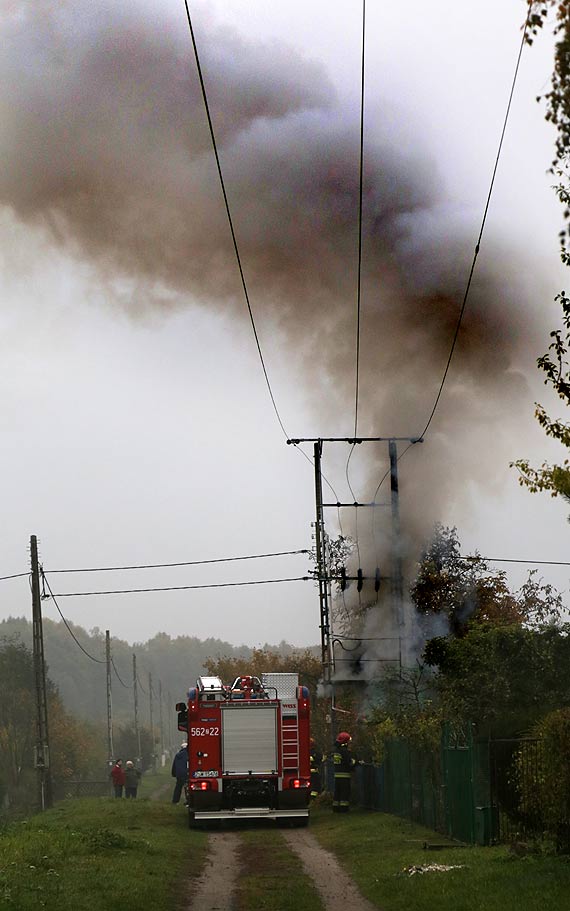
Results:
x,y
343,764
132,777
180,771
118,776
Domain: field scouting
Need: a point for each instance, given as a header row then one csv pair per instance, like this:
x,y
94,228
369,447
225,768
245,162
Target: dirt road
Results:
x,y
338,892
215,889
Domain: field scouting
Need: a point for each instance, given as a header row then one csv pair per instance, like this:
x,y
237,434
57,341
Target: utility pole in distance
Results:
x,y
160,720
170,740
42,735
151,722
136,700
110,751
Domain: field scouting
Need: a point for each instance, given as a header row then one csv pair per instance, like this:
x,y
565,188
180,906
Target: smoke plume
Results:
x,y
105,146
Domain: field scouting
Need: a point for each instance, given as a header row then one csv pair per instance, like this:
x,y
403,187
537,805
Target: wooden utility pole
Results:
x,y
136,700
110,750
153,752
42,763
160,720
169,716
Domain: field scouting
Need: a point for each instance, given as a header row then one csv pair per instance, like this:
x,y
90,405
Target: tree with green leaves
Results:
x,y
464,590
555,365
555,478
502,678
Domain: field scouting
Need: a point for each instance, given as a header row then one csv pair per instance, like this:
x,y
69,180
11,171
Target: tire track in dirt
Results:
x,y
338,892
214,889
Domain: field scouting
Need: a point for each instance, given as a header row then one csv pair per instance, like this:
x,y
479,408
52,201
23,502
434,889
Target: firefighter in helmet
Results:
x,y
316,759
343,764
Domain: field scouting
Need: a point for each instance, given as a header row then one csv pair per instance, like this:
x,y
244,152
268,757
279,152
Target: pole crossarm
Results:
x,y
352,505
353,441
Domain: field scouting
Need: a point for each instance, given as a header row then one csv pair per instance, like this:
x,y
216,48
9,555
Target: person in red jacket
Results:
x,y
118,776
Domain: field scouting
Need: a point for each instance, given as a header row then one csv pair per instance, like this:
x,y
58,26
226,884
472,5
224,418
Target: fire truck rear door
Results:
x,y
249,739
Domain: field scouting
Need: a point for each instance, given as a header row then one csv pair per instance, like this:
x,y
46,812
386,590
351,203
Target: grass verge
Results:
x,y
374,848
99,855
271,877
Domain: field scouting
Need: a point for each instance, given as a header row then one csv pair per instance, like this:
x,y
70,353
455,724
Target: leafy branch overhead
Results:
x,y
554,364
553,478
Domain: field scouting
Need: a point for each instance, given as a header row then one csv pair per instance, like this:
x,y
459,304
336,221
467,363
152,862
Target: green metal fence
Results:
x,y
447,789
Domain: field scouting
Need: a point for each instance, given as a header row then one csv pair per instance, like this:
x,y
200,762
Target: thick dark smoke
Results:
x,y
105,145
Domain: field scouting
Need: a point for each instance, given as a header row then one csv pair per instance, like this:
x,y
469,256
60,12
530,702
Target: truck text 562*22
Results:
x,y
204,732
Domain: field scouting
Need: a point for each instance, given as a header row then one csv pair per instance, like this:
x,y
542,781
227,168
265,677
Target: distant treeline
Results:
x,y
81,682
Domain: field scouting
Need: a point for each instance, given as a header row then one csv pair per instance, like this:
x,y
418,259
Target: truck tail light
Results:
x,y
201,785
299,783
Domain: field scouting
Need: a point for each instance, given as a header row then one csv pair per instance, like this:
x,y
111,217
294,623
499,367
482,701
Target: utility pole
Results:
x,y
42,763
322,575
396,576
136,699
110,750
160,720
151,722
170,704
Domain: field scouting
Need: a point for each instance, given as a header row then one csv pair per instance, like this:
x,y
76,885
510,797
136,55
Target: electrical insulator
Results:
x,y
360,581
342,578
377,580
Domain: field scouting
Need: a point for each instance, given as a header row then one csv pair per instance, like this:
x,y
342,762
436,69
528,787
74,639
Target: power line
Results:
x,y
360,186
513,560
141,686
70,631
174,588
366,638
229,217
14,576
126,685
105,569
476,253
477,246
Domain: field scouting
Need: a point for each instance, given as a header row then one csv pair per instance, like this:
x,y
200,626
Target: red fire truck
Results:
x,y
248,748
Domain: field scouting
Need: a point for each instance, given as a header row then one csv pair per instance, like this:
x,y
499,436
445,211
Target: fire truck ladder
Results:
x,y
290,755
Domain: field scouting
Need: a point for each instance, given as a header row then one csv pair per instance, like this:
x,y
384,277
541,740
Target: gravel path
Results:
x,y
337,890
213,890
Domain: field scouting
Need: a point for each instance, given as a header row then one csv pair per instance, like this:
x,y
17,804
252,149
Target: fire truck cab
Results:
x,y
248,748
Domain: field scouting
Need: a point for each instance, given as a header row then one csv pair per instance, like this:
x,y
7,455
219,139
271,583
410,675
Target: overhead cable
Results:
x,y
229,216
106,569
360,186
70,631
484,219
141,686
175,588
513,560
475,255
14,576
127,686
359,265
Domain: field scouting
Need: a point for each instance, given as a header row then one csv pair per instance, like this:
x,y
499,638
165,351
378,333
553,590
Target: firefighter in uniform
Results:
x,y
343,764
316,758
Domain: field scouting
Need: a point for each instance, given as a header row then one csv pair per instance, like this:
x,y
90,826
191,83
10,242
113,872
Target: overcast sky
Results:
x,y
136,426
